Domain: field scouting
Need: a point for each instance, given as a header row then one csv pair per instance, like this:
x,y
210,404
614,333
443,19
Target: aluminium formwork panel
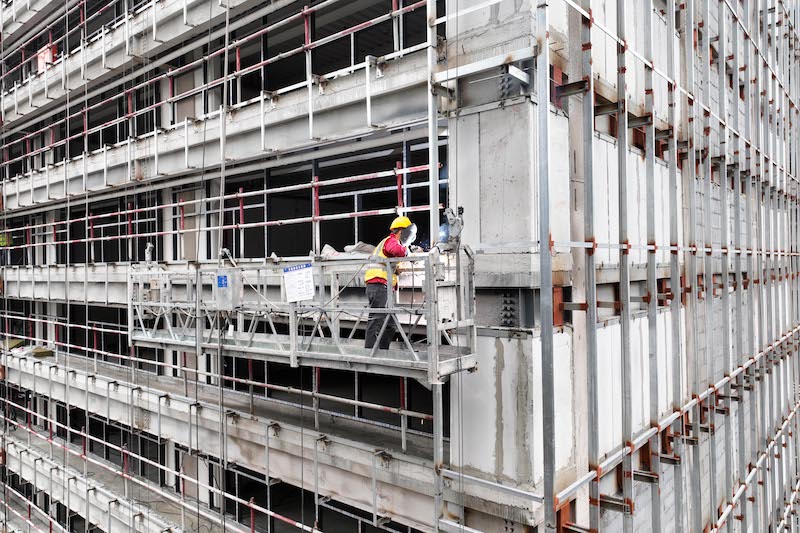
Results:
x,y
606,214
608,340
604,60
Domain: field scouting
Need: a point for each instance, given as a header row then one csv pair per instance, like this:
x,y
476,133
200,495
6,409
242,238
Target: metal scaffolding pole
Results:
x,y
545,259
590,271
766,326
676,292
692,284
709,408
433,122
654,459
727,358
433,192
738,346
749,381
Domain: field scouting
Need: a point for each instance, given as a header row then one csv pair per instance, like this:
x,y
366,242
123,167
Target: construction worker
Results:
x,y
403,233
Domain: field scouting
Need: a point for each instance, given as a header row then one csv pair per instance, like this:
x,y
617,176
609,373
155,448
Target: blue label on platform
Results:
x,y
222,282
297,267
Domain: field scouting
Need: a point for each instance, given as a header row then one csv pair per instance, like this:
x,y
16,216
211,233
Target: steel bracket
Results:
x,y
639,122
674,460
612,503
605,109
645,476
445,92
664,134
516,72
705,428
384,457
569,527
569,89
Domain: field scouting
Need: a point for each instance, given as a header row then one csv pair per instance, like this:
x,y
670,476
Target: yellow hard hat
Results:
x,y
400,223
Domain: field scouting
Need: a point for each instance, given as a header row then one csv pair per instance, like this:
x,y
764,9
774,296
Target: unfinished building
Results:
x,y
600,333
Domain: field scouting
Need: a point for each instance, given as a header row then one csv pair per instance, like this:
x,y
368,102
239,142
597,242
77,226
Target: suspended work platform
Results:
x,y
310,312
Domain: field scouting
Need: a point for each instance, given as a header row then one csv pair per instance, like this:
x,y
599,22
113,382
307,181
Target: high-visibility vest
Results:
x,y
3,239
377,270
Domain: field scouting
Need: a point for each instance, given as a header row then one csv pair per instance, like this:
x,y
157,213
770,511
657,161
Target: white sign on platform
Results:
x,y
299,282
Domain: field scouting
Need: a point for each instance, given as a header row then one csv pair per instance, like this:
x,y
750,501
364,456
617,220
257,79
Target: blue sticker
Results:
x,y
222,282
297,267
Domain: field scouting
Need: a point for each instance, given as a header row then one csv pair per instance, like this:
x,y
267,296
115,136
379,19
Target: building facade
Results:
x,y
600,332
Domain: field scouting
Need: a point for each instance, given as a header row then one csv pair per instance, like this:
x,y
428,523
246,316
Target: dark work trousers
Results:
x,y
376,294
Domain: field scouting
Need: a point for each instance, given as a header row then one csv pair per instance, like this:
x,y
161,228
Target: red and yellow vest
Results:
x,y
377,270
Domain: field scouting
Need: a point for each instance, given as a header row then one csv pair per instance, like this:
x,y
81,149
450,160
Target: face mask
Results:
x,y
408,235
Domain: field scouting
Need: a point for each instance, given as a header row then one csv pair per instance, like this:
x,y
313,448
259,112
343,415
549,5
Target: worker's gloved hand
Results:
x,y
416,249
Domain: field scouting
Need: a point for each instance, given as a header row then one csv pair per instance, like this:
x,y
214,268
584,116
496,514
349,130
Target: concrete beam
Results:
x,y
19,523
19,16
375,140
339,114
44,91
107,283
34,464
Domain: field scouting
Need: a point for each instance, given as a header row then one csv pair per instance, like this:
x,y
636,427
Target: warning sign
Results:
x,y
299,282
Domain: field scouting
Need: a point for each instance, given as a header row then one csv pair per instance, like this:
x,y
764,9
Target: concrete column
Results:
x,y
213,220
38,326
196,469
51,256
169,461
166,109
214,70
168,250
191,362
52,311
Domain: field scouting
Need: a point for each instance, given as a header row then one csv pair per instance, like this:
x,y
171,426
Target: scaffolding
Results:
x,y
753,156
145,159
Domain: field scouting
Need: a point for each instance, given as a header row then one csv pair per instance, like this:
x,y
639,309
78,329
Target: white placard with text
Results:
x,y
299,282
